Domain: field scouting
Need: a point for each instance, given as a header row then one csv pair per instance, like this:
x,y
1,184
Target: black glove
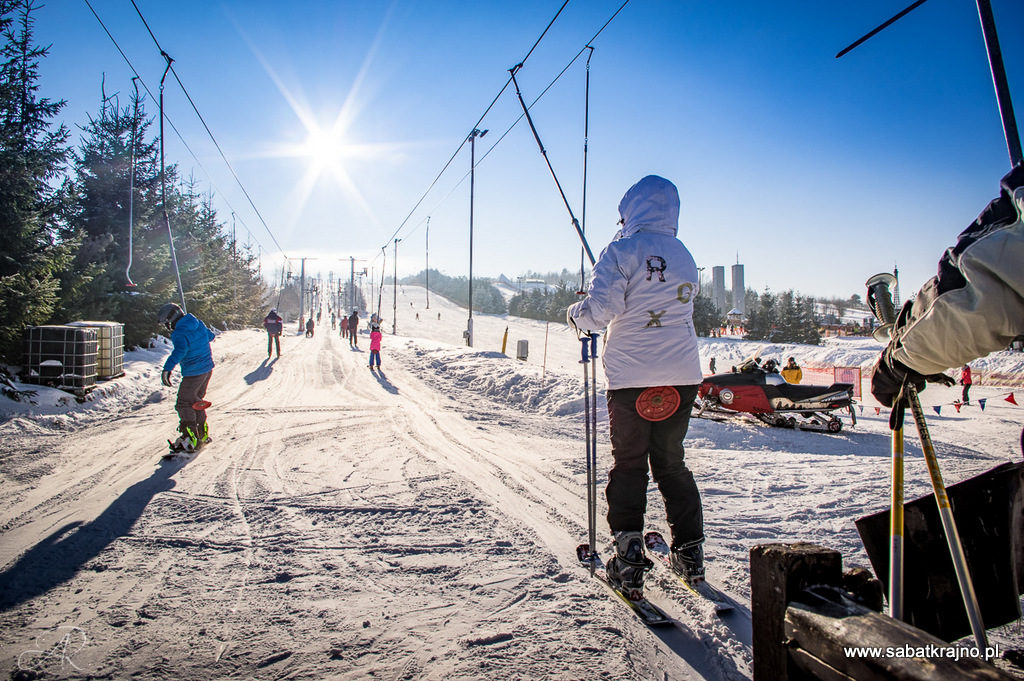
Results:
x,y
165,378
889,375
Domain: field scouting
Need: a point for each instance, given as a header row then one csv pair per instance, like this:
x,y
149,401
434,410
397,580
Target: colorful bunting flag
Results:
x,y
938,410
1011,400
878,410
957,405
981,403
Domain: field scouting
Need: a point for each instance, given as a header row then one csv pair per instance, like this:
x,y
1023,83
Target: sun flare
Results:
x,y
325,148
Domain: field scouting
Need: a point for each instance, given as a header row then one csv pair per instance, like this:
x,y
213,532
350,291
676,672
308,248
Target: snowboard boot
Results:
x,y
204,434
184,443
626,569
688,561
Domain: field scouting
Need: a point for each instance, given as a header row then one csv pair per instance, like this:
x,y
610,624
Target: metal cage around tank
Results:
x,y
61,356
110,355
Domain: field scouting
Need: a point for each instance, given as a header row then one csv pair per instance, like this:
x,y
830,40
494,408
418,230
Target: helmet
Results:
x,y
273,310
169,314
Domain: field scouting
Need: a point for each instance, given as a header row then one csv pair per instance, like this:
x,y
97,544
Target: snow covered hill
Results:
x,y
418,524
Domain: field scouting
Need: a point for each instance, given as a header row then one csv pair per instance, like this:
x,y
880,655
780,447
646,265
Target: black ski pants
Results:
x,y
191,390
639,445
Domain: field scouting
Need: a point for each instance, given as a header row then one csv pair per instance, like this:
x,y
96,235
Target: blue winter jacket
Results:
x,y
191,341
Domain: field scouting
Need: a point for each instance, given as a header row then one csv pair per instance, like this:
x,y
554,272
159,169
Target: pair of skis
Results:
x,y
649,613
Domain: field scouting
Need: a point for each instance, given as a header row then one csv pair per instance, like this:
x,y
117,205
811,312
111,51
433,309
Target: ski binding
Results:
x,y
648,612
659,548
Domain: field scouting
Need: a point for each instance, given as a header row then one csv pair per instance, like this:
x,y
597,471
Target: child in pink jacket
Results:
x,y
375,338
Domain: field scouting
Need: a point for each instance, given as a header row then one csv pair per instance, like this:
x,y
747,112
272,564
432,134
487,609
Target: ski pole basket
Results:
x,y
61,356
110,355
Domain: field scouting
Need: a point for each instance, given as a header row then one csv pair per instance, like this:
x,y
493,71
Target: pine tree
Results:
x,y
705,315
32,158
763,321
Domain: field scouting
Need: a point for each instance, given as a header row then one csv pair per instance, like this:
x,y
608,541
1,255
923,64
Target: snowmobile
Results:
x,y
767,396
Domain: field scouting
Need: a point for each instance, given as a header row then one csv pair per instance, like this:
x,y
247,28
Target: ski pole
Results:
x,y
878,289
591,491
886,315
593,441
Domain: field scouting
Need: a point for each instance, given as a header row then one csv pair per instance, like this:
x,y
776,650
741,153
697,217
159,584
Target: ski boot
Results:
x,y
627,567
204,434
688,561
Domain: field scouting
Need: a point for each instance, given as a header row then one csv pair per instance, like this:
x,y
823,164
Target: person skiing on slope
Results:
x,y
309,327
353,328
642,288
973,307
191,339
375,339
344,327
966,381
274,325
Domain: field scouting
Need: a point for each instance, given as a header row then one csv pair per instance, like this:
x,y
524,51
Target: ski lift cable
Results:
x,y
544,153
170,122
586,142
163,190
475,125
208,131
131,185
507,131
996,66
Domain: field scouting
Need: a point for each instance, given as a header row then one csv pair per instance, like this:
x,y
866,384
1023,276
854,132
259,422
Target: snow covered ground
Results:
x,y
418,524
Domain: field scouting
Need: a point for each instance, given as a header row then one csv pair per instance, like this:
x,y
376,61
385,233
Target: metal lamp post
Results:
x,y
394,304
472,177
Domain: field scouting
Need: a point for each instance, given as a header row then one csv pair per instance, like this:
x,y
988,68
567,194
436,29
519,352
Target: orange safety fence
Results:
x,y
830,375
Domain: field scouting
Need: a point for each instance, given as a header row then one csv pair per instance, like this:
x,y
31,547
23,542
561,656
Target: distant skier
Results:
x,y
191,339
647,268
375,339
334,321
353,328
792,372
966,381
711,365
974,306
274,325
344,327
309,327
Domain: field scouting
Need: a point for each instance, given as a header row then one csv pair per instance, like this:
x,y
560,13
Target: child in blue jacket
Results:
x,y
191,339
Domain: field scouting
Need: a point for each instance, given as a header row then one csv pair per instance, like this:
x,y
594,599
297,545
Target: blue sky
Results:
x,y
816,172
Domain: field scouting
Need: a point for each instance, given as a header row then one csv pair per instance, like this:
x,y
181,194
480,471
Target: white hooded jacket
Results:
x,y
642,289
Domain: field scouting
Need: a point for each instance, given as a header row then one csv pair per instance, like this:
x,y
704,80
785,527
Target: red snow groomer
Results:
x,y
763,393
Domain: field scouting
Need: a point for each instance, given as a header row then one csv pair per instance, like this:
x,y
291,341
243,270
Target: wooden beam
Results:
x,y
827,624
778,574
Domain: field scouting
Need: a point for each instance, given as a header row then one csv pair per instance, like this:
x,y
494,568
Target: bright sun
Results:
x,y
325,148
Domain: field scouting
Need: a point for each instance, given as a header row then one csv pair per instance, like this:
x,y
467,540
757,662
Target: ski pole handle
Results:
x,y
585,357
593,345
880,302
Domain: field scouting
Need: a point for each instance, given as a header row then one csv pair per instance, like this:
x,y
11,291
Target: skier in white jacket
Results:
x,y
642,290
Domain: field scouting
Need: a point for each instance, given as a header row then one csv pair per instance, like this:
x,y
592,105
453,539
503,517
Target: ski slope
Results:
x,y
418,524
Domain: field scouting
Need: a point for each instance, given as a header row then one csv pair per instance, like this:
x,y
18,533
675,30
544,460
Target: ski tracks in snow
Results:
x,y
342,524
